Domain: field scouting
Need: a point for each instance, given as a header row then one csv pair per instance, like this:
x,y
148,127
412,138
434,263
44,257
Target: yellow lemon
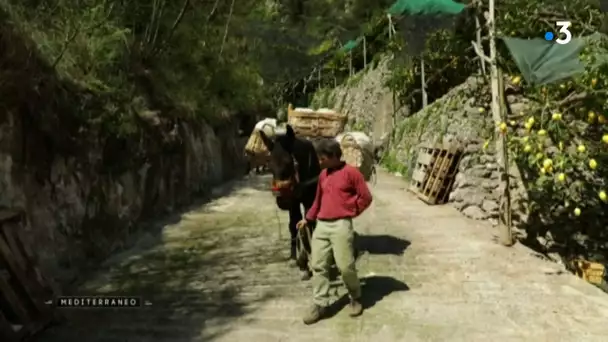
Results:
x,y
581,148
481,110
562,86
539,155
592,164
525,139
577,212
601,119
556,116
528,126
590,116
512,123
502,127
594,82
527,148
602,195
530,120
605,138
543,171
547,163
561,145
561,177
516,80
542,132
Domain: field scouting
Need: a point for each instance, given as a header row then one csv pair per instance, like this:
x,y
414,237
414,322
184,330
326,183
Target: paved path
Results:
x,y
219,274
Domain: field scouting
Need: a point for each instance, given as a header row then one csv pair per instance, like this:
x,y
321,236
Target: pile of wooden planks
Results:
x,y
23,291
434,173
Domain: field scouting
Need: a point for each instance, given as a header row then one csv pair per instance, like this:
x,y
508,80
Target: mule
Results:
x,y
295,172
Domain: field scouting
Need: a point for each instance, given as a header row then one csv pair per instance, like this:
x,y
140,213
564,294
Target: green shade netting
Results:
x,y
542,62
351,44
426,7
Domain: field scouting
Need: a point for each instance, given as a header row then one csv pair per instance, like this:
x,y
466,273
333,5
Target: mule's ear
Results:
x,y
290,132
266,140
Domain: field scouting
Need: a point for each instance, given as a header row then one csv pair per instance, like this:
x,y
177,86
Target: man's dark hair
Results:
x,y
329,148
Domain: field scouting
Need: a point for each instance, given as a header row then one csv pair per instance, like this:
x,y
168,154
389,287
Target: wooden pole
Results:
x,y
478,37
319,78
425,100
364,53
505,234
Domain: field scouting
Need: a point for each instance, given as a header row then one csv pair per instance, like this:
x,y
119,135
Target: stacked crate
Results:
x,y
434,173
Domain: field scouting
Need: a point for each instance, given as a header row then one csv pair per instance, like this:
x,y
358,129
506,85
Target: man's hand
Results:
x,y
301,224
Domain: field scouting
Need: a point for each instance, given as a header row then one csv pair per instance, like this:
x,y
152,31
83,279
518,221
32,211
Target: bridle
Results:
x,y
289,186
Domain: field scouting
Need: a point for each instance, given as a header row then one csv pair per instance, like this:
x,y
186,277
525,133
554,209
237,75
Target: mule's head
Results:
x,y
282,163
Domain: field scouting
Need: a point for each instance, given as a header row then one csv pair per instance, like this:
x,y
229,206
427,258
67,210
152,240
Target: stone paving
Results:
x,y
218,273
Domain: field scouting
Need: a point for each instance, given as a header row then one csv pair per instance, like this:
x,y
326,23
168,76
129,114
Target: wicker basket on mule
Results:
x,y
358,151
255,150
309,123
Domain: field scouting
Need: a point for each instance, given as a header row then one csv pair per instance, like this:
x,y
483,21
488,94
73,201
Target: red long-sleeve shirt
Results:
x,y
341,193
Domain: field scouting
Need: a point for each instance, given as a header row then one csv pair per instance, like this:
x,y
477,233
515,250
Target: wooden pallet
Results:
x,y
434,175
23,290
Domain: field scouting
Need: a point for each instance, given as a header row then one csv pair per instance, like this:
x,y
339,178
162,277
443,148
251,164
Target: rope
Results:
x,y
300,248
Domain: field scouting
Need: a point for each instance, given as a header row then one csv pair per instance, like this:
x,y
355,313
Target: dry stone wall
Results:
x,y
461,117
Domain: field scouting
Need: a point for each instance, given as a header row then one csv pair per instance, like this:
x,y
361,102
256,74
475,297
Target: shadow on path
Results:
x,y
201,269
374,289
381,244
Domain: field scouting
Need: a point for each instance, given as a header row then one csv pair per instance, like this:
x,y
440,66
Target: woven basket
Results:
x,y
255,145
316,124
355,155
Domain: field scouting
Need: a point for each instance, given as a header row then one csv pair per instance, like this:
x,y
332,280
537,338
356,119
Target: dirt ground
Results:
x,y
218,272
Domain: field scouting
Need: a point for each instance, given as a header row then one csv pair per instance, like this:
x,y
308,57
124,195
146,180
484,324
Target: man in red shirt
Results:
x,y
342,195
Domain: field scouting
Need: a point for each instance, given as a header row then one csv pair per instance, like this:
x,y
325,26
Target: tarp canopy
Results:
x,y
417,19
425,7
542,62
351,44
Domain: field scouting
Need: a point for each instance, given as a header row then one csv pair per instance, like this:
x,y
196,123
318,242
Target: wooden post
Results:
x,y
319,78
364,53
505,234
425,100
478,37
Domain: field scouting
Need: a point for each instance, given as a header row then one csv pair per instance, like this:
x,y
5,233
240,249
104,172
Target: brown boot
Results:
x,y
355,307
314,314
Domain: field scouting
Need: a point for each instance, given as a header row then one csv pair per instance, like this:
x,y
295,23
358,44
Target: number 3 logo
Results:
x,y
563,29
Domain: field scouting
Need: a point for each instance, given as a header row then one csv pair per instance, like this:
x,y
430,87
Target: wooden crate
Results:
x,y
23,291
593,272
434,174
316,124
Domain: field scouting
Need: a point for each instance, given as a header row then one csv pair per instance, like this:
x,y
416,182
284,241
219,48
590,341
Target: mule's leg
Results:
x,y
295,216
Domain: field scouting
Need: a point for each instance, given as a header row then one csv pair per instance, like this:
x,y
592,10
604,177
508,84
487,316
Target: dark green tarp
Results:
x,y
542,62
425,7
417,19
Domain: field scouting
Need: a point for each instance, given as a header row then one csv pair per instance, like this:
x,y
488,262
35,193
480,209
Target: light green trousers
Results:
x,y
337,238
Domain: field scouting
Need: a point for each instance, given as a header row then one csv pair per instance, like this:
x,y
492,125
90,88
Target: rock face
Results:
x,y
83,188
461,117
